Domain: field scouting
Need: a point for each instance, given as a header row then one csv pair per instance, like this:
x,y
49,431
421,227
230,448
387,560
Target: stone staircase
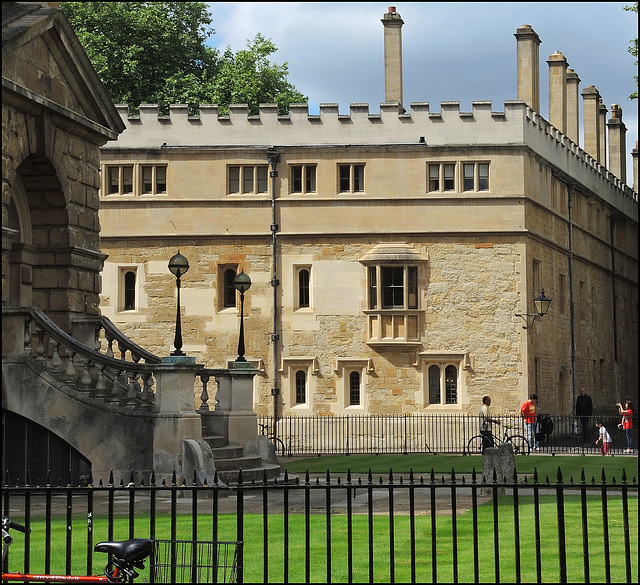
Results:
x,y
229,459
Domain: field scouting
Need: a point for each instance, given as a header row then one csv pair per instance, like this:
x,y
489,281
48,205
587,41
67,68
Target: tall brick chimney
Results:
x,y
528,70
558,91
591,113
617,144
393,57
573,106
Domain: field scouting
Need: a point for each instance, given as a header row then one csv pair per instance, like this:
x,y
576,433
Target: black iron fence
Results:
x,y
436,433
351,528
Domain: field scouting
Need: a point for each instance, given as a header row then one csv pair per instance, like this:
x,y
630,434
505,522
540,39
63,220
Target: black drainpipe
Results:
x,y
274,159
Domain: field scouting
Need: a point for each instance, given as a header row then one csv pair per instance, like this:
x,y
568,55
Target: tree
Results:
x,y
633,49
155,52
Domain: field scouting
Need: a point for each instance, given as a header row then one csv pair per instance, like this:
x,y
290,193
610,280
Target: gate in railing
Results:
x,y
352,528
433,433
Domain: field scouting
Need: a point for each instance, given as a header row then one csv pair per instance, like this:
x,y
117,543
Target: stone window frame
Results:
x,y
224,288
343,368
289,370
446,176
259,175
479,182
124,293
305,178
136,179
462,363
355,182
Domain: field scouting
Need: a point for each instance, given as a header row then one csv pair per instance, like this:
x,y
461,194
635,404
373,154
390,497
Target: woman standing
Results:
x,y
627,423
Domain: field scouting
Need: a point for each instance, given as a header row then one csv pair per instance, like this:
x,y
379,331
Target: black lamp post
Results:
x,y
241,283
178,265
541,304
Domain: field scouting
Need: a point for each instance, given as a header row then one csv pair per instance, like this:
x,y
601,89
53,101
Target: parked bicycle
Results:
x,y
519,443
126,557
275,441
170,561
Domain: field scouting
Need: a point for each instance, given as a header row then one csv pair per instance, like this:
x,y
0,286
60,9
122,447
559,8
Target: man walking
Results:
x,y
584,409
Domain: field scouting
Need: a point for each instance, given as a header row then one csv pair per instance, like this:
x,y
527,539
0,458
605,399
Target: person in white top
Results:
x,y
604,439
485,423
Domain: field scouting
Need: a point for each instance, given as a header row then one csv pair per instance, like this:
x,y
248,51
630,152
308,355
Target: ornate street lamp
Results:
x,y
541,305
178,265
241,283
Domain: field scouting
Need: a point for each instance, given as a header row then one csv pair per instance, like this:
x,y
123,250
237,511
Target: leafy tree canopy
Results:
x,y
633,49
155,52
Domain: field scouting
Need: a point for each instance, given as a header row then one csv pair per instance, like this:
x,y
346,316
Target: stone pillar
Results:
x,y
393,57
602,121
558,91
573,106
234,417
176,419
528,70
617,144
591,107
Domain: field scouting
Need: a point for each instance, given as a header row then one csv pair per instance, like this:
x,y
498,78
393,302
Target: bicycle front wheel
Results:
x,y
520,445
474,447
278,446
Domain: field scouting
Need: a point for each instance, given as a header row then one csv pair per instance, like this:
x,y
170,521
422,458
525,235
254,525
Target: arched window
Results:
x,y
129,290
301,387
229,292
303,288
354,389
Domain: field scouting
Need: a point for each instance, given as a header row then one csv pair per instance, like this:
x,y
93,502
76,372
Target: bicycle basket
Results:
x,y
189,561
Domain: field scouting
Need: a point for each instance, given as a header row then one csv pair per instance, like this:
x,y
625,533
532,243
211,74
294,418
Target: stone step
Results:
x,y
245,462
228,452
215,441
256,474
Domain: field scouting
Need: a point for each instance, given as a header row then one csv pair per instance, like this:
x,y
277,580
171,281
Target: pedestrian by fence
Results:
x,y
415,528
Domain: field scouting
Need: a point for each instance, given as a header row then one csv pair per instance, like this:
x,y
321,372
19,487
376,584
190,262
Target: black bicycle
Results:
x,y
277,443
520,444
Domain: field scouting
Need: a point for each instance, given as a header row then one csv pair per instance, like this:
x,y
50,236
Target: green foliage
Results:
x,y
633,49
155,52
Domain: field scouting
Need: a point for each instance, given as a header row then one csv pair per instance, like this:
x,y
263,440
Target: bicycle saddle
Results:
x,y
130,551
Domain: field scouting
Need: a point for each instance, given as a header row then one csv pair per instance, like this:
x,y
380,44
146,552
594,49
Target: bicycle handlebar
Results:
x,y
9,524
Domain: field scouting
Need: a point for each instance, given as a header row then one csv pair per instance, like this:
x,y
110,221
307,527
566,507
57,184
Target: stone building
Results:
x,y
394,256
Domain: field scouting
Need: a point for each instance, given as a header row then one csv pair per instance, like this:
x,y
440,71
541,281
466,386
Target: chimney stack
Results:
x,y
573,106
617,144
602,110
558,91
528,49
591,113
393,57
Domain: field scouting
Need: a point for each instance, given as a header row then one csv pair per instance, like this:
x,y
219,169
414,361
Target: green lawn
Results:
x,y
503,548
546,465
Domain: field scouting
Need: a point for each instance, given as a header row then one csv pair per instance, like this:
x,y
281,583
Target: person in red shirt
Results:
x,y
627,423
528,413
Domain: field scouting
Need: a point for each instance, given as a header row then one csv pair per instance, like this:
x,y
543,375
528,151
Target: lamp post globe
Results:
x,y
242,283
178,266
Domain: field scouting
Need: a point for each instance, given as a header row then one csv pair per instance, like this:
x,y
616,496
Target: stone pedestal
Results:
x,y
499,462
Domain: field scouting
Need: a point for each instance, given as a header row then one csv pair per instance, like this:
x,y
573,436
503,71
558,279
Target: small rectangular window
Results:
x,y
113,180
483,177
147,180
434,177
303,179
310,179
449,177
161,179
351,178
469,180
296,179
127,180
234,179
247,180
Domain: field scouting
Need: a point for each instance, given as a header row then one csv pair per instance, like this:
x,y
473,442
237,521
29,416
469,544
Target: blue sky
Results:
x,y
451,51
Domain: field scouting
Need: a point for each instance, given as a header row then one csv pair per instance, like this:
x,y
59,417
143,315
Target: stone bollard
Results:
x,y
501,460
